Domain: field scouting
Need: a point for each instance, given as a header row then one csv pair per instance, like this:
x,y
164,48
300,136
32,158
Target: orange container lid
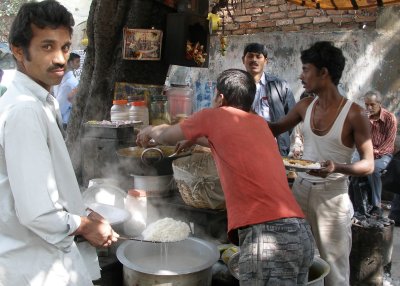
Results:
x,y
138,103
120,101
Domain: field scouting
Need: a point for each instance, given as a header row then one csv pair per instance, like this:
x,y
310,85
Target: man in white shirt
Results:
x,y
41,207
66,90
274,98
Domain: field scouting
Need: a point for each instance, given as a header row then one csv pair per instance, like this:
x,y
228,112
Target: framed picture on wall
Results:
x,y
142,44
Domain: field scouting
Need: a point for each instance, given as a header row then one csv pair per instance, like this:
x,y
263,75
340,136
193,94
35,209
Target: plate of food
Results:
x,y
300,165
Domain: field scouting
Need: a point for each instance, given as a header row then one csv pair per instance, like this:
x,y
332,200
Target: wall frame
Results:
x,y
142,44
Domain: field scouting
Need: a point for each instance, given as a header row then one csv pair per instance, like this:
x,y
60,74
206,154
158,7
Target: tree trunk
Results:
x,y
104,66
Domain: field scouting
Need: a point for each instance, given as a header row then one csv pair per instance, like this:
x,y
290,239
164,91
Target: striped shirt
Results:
x,y
383,133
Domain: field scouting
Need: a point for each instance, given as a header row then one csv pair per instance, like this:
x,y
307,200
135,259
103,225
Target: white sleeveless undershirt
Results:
x,y
326,147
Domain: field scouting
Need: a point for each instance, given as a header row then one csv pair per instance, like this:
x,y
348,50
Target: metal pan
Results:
x,y
155,163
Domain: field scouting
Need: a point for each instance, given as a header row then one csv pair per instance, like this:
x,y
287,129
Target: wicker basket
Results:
x,y
198,182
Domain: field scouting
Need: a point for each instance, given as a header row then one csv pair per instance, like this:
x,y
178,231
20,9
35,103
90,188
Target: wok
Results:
x,y
149,162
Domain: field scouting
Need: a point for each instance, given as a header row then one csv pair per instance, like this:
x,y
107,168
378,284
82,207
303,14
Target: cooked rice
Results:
x,y
166,230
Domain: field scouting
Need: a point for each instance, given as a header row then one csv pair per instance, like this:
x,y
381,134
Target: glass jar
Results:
x,y
119,110
159,110
139,112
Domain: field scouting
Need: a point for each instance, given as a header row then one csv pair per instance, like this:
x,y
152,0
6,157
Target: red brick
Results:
x,y
291,28
304,20
254,11
242,19
283,7
277,2
296,14
284,22
264,24
365,18
254,31
248,25
239,32
261,17
342,19
271,9
231,27
279,15
335,12
320,20
313,13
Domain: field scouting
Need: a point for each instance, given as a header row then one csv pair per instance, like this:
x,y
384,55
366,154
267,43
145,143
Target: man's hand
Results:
x,y
97,230
143,138
183,145
327,168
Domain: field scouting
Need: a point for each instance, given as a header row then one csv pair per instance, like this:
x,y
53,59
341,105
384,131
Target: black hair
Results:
x,y
238,88
73,56
325,55
256,48
48,13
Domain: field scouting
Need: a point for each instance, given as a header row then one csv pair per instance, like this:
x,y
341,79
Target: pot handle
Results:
x,y
148,162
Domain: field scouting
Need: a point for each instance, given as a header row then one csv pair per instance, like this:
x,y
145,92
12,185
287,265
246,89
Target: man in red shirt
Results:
x,y
383,135
276,244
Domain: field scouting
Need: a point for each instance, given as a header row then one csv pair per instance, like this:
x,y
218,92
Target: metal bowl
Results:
x,y
186,263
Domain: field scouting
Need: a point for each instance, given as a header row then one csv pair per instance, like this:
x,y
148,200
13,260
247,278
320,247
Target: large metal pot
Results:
x,y
138,161
183,263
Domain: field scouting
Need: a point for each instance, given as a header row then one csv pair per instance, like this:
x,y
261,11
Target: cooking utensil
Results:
x,y
140,238
130,159
189,262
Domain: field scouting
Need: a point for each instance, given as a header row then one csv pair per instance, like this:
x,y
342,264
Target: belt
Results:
x,y
304,181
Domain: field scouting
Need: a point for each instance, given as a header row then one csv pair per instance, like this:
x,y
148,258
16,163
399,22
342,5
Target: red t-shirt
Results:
x,y
249,165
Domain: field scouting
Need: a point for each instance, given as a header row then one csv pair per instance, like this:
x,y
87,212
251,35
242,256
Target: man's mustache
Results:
x,y
56,67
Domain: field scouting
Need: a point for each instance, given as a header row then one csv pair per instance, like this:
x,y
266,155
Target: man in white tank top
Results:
x,y
333,127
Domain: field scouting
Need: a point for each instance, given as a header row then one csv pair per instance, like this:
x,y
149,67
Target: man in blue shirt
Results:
x,y
66,90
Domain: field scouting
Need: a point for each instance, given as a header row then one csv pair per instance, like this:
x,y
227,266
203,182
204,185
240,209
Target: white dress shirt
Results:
x,y
260,103
40,199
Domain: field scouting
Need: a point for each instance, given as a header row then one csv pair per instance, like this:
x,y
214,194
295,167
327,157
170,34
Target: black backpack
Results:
x,y
391,176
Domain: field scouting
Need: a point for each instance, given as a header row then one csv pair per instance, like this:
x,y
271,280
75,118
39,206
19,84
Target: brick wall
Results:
x,y
257,16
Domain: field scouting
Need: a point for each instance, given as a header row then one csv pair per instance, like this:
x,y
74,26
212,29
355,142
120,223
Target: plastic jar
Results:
x,y
179,102
119,110
139,112
159,110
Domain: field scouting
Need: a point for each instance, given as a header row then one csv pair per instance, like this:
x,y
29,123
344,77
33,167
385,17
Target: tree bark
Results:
x,y
104,66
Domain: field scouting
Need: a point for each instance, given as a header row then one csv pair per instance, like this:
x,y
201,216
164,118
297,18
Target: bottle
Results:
x,y
119,110
139,112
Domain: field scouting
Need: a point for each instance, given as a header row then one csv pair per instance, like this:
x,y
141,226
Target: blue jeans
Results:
x,y
277,253
375,179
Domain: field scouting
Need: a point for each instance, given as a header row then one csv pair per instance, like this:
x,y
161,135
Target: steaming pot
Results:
x,y
184,263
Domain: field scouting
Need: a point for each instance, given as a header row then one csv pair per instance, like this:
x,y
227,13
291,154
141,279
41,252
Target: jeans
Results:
x,y
375,179
276,253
